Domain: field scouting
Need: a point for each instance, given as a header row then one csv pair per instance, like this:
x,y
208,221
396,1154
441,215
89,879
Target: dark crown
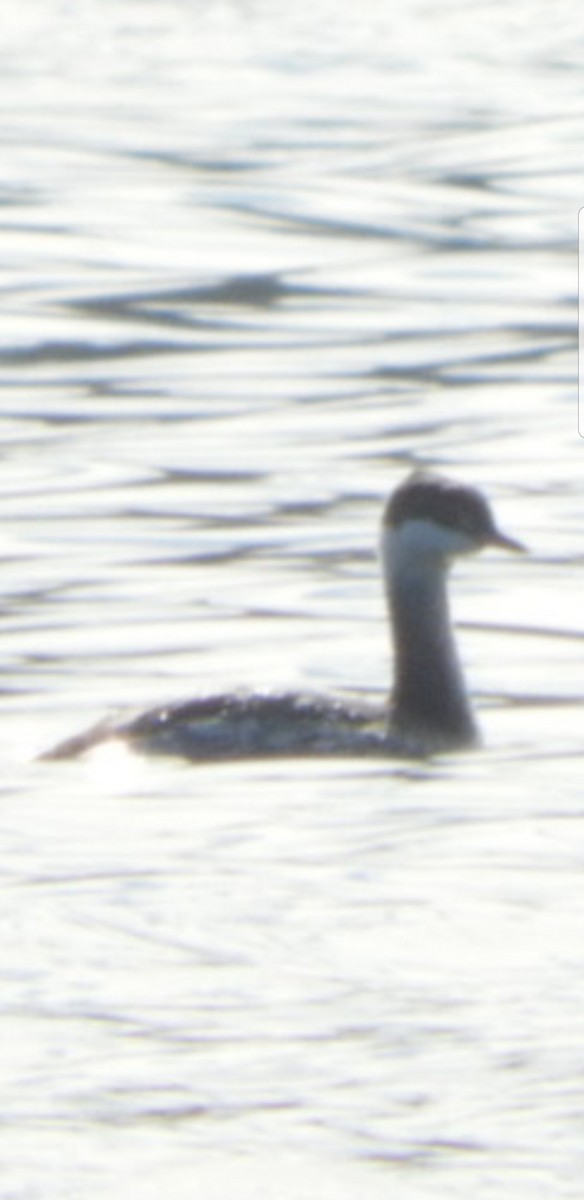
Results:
x,y
426,496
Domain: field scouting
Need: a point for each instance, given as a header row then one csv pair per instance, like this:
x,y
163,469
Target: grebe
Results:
x,y
429,521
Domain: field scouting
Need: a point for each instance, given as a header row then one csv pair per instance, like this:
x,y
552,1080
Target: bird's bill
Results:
x,y
507,543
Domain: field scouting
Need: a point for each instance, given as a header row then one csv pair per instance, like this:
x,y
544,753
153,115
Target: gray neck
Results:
x,y
429,700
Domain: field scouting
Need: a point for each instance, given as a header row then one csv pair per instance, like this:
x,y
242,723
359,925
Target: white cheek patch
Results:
x,y
420,540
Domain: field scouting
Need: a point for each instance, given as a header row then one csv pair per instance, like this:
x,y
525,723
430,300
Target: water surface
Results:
x,y
257,263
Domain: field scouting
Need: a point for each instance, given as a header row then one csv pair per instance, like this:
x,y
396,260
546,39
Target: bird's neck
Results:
x,y
429,701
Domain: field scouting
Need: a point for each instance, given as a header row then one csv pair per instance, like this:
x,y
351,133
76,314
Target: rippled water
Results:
x,y
257,262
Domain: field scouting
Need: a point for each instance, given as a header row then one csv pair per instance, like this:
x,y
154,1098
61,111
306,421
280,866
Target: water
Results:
x,y
257,262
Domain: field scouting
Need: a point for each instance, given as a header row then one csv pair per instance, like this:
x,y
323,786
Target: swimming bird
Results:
x,y
428,522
